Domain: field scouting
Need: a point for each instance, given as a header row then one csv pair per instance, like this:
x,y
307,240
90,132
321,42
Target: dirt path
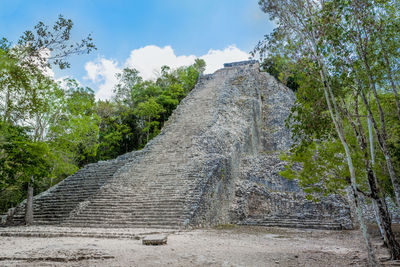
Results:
x,y
238,246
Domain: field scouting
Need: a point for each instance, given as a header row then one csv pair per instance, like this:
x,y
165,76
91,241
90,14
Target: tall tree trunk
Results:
x,y
384,217
29,204
372,261
372,152
382,144
333,110
392,244
362,53
379,222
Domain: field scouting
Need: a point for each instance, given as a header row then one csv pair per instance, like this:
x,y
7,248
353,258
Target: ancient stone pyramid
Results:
x,y
216,161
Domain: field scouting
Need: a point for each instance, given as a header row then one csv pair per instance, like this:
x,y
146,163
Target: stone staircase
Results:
x,y
156,189
55,204
139,202
191,173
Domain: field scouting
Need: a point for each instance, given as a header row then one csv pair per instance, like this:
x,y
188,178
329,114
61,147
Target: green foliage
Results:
x,y
281,69
336,51
149,111
46,132
74,130
321,168
20,159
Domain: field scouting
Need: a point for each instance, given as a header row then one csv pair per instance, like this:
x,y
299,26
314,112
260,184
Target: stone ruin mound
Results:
x,y
216,161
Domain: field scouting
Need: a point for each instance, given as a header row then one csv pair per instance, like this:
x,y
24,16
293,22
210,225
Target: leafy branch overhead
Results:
x,y
47,45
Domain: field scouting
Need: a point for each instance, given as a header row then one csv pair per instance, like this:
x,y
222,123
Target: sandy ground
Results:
x,y
227,246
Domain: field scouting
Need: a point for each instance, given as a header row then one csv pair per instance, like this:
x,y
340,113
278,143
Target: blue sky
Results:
x,y
186,27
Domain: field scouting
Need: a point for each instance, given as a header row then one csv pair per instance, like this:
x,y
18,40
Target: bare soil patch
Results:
x,y
221,246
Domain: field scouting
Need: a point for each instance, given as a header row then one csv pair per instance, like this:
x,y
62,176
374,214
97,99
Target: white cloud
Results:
x,y
215,59
148,61
103,72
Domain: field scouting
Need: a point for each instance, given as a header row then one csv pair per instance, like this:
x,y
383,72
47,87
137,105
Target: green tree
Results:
x,y
149,111
73,132
333,42
25,88
118,130
20,160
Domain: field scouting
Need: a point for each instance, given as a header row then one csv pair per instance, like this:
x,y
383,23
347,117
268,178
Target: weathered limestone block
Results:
x,y
154,240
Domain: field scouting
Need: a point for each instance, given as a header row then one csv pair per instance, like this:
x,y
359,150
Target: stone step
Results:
x,y
159,178
117,206
120,210
58,202
161,194
110,219
52,215
132,211
37,222
68,234
127,222
290,218
82,188
136,184
72,193
149,221
120,217
283,217
138,200
299,225
54,207
294,221
294,224
161,202
91,224
49,220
